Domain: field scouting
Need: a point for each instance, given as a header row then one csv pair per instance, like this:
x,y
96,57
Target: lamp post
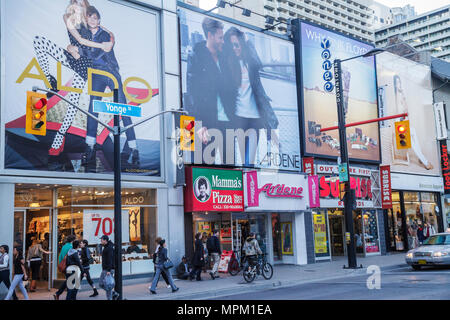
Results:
x,y
349,194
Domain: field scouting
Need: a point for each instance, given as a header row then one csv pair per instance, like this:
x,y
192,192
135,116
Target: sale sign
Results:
x,y
213,190
97,223
386,193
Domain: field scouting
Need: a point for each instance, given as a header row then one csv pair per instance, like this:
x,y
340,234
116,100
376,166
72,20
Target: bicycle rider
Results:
x,y
252,249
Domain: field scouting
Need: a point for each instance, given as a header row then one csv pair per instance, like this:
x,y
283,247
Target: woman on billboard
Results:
x,y
79,36
402,156
253,109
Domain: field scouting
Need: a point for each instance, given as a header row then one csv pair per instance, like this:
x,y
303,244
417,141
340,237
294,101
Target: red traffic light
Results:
x,y
401,129
41,103
190,125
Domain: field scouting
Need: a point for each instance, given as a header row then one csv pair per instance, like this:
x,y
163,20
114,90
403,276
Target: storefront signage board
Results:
x,y
416,182
276,191
445,163
308,165
439,117
314,195
386,194
213,190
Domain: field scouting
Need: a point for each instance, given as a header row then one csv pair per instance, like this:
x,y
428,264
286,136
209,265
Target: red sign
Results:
x,y
308,166
330,188
213,190
386,192
445,166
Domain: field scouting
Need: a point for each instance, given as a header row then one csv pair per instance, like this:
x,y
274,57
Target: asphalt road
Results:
x,y
397,284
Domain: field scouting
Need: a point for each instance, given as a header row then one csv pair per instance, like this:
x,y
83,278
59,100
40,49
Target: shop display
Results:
x,y
135,223
371,232
286,238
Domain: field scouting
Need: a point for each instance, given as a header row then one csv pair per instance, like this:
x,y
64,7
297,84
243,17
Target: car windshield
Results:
x,y
437,240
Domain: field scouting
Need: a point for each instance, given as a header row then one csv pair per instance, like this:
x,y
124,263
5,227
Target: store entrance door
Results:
x,y
337,235
36,224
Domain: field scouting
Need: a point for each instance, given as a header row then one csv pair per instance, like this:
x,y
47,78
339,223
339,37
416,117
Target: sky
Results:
x,y
421,6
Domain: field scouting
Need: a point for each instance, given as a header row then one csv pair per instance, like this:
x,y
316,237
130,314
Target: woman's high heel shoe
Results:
x,y
57,152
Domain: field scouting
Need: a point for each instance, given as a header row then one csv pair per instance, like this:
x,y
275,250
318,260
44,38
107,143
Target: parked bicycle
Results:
x,y
262,267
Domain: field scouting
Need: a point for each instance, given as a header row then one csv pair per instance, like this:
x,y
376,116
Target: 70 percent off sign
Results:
x,y
97,223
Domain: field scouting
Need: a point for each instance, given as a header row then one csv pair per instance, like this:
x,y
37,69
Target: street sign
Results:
x,y
116,108
343,174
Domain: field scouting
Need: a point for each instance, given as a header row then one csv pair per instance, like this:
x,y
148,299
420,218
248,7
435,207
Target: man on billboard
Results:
x,y
105,61
207,94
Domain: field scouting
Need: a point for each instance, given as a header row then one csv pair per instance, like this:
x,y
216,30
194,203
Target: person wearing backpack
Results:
x,y
62,255
86,261
73,259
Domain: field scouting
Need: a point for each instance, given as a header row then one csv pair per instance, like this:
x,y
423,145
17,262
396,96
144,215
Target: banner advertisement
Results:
x,y
308,165
439,117
445,164
321,248
386,192
314,196
83,57
408,89
287,245
97,223
275,191
213,190
240,85
318,49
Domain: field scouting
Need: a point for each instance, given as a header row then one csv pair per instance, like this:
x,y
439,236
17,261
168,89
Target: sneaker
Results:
x,y
168,286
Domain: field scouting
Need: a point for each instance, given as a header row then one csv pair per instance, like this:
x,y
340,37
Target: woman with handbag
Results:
x,y
155,254
20,275
163,264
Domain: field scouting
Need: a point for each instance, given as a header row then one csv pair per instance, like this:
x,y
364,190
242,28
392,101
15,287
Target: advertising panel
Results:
x,y
386,191
240,85
97,223
321,247
318,50
276,191
53,45
407,89
213,190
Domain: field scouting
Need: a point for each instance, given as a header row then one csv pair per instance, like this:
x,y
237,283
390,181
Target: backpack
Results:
x,y
89,257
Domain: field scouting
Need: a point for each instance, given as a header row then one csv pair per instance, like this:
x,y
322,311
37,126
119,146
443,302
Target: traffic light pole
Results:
x,y
117,131
349,199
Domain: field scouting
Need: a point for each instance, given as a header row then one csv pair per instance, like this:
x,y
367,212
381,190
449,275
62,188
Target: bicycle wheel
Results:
x,y
233,267
267,271
249,276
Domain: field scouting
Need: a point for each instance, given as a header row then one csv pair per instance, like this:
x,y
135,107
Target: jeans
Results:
x,y
160,269
17,281
99,84
216,260
4,277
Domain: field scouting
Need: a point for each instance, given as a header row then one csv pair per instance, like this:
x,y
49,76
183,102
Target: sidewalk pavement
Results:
x,y
283,276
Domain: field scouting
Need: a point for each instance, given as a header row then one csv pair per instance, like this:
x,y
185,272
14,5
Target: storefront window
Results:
x,y
429,205
336,220
276,237
371,241
395,224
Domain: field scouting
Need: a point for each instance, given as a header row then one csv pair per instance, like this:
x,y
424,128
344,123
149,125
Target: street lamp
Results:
x,y
349,194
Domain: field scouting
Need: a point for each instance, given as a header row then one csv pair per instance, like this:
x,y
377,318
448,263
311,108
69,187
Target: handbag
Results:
x,y
168,264
63,265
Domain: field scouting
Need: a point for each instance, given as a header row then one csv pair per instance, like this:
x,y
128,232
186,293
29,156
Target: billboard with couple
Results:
x,y
240,85
82,50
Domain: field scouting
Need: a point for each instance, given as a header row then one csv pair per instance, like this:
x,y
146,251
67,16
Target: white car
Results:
x,y
435,251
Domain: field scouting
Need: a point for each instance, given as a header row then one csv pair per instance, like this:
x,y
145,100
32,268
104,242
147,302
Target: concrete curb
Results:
x,y
253,287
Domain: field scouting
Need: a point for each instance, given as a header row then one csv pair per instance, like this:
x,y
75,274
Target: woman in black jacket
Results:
x,y
198,260
73,259
85,262
161,259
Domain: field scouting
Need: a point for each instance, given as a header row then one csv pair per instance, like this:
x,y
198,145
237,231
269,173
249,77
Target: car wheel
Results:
x,y
417,268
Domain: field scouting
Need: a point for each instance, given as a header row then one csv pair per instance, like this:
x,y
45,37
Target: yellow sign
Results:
x,y
187,133
320,234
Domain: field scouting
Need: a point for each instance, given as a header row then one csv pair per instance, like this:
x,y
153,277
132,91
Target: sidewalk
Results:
x,y
284,276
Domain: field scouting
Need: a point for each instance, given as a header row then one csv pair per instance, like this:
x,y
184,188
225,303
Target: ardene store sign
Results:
x,y
213,190
266,190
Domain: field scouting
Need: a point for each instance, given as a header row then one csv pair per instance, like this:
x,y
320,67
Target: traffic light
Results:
x,y
402,134
36,113
187,134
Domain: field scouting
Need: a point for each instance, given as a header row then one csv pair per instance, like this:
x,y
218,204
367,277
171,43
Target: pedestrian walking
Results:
x,y
4,268
215,252
34,259
155,254
198,260
20,274
107,267
183,269
205,251
252,249
161,267
64,250
73,259
86,261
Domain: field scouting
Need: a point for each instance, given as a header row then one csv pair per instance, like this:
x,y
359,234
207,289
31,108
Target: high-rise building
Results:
x,y
426,32
381,15
400,14
350,17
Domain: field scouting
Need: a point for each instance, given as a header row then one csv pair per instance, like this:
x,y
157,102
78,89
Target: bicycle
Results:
x,y
250,273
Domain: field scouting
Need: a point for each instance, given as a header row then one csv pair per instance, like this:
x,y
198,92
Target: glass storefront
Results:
x,y
50,213
410,210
